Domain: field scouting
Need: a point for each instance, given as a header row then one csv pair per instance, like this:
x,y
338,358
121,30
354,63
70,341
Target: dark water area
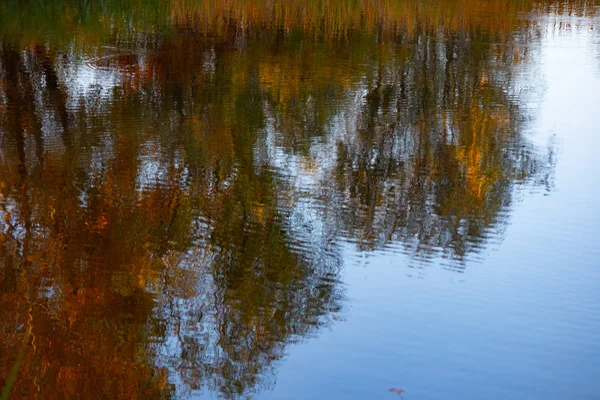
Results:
x,y
300,200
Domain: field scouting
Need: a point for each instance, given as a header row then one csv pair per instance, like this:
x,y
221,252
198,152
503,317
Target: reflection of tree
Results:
x,y
70,268
151,226
103,215
436,150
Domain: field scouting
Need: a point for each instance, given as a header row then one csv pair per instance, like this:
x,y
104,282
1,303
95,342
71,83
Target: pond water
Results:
x,y
300,200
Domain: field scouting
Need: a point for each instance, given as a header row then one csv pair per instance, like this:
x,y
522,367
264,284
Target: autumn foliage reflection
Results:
x,y
174,200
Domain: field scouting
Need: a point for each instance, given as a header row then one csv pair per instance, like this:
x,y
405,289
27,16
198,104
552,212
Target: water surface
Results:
x,y
300,200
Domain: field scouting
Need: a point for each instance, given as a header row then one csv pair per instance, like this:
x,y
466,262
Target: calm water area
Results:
x,y
319,199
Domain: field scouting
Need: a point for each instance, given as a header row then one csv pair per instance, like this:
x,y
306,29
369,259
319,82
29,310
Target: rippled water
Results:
x,y
301,200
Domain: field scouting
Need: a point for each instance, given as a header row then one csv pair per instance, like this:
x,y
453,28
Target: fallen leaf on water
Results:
x,y
397,390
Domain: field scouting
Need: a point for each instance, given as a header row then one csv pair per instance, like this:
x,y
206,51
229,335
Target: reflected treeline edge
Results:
x,y
176,184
